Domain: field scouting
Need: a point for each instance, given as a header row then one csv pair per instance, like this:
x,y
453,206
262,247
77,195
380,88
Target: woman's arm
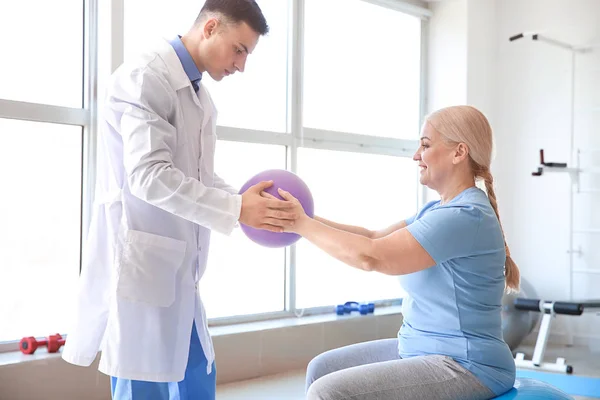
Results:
x,y
363,231
396,253
357,230
389,230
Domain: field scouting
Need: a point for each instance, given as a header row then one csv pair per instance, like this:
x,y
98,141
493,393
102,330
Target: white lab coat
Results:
x,y
157,200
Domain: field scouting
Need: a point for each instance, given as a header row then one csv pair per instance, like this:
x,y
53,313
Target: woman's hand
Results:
x,y
299,216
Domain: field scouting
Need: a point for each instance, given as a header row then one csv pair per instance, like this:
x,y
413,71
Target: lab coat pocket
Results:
x,y
149,265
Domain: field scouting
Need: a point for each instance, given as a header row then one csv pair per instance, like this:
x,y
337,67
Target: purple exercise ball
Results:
x,y
291,183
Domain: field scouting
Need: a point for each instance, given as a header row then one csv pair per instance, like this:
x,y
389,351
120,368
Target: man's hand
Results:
x,y
266,213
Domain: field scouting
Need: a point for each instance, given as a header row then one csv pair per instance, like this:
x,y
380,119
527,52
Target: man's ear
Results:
x,y
210,27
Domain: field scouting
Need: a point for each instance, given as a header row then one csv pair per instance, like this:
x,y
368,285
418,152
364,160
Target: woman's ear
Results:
x,y
460,153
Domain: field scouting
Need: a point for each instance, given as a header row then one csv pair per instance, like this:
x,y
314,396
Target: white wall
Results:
x,y
447,57
481,55
532,108
524,89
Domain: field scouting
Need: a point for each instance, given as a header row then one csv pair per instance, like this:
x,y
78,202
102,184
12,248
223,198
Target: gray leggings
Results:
x,y
374,371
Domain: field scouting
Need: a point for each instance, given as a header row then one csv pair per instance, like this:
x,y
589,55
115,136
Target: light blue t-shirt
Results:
x,y
454,308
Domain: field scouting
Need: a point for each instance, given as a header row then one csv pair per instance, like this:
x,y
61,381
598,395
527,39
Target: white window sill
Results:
x,y
258,326
16,357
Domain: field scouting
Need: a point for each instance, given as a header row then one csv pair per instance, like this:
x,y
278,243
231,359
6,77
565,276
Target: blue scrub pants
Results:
x,y
196,385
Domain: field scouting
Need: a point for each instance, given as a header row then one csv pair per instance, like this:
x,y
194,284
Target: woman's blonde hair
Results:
x,y
466,124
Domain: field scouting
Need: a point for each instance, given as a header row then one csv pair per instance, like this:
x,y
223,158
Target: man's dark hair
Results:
x,y
237,11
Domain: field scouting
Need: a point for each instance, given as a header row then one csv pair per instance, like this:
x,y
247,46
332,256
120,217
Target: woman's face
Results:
x,y
435,158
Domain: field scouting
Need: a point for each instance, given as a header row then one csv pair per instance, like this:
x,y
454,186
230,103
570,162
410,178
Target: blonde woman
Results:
x,y
455,266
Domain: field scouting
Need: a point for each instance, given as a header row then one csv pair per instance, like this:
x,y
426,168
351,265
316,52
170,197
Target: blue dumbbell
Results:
x,y
350,306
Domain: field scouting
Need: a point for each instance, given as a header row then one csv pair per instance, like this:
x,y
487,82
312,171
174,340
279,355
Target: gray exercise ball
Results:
x,y
517,324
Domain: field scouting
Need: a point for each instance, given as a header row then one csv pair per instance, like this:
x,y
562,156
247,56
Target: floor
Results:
x,y
290,385
584,362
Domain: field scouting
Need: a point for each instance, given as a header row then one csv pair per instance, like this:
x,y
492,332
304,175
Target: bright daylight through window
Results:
x,y
347,124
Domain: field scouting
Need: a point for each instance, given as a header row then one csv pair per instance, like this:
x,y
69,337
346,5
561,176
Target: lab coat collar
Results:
x,y
189,66
177,77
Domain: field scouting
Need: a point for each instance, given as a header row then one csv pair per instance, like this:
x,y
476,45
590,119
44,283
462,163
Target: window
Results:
x,y
360,114
256,99
243,277
361,95
40,210
43,51
45,103
358,78
367,190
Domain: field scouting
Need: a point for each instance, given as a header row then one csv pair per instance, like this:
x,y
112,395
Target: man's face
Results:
x,y
226,47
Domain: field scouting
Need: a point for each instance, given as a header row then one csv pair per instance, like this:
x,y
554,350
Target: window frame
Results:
x,y
299,136
296,136
84,117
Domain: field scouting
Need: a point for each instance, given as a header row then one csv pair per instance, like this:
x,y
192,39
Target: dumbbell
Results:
x,y
350,306
28,345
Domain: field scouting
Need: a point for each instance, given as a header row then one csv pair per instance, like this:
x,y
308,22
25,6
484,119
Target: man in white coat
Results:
x,y
157,201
